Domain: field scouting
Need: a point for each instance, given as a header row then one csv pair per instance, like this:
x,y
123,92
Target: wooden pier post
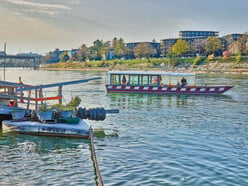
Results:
x,y
41,94
36,102
60,94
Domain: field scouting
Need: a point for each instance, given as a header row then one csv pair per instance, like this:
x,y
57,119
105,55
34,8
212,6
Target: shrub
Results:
x,y
238,58
197,60
226,55
211,57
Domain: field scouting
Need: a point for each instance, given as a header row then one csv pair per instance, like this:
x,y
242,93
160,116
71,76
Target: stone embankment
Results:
x,y
223,68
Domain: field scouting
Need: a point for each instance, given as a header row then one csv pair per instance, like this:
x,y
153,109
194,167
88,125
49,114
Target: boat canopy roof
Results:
x,y
151,73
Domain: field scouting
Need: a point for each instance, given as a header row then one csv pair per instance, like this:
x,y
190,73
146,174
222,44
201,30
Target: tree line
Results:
x,y
117,49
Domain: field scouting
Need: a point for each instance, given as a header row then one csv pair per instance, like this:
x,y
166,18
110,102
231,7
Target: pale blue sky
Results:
x,y
43,25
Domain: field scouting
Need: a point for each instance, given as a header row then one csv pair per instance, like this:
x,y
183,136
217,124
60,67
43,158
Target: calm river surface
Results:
x,y
154,140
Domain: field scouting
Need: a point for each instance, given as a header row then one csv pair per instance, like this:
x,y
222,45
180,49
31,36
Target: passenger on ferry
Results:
x,y
124,80
183,82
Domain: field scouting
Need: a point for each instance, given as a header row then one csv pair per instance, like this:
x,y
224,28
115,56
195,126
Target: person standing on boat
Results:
x,y
124,80
183,82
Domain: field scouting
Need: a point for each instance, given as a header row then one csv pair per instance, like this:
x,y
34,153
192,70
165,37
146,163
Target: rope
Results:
x,y
93,156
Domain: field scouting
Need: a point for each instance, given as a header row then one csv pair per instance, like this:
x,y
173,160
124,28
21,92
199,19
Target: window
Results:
x,y
144,80
124,79
114,79
154,80
134,79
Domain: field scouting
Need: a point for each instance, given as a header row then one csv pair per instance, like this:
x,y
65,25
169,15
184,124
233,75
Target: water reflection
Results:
x,y
127,100
132,101
28,159
41,144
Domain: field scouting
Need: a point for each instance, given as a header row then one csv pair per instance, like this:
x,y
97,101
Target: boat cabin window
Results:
x,y
150,79
124,79
134,80
117,79
154,80
144,80
114,79
175,80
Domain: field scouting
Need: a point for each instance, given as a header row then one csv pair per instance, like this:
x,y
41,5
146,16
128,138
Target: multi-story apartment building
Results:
x,y
230,42
197,34
232,37
195,40
166,46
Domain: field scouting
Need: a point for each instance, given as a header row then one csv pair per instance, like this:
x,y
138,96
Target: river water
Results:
x,y
154,140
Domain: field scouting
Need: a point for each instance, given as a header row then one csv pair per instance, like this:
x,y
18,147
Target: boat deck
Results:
x,y
79,130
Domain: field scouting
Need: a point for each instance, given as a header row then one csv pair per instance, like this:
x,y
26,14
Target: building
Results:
x,y
166,46
195,40
229,43
54,57
73,52
197,34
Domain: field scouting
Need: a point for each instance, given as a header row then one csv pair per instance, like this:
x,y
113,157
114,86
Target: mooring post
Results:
x,y
41,94
60,94
36,102
29,97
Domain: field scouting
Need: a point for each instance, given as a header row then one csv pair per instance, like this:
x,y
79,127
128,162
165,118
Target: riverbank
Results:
x,y
210,68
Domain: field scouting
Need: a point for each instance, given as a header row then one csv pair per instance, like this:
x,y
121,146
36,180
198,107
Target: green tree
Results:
x,y
238,57
242,44
114,43
83,53
97,45
64,56
104,49
120,48
213,45
144,50
180,47
202,46
94,50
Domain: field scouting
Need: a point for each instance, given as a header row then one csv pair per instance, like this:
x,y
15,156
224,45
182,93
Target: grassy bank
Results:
x,y
193,64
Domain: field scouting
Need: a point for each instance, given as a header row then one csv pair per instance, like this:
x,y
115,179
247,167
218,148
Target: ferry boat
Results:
x,y
159,82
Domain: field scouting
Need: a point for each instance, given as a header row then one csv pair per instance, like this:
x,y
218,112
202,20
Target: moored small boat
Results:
x,y
80,129
72,126
160,83
54,121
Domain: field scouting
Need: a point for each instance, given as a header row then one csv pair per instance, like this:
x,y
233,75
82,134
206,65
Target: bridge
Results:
x,y
35,58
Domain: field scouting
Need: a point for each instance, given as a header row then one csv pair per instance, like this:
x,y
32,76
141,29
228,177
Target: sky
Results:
x,y
40,26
